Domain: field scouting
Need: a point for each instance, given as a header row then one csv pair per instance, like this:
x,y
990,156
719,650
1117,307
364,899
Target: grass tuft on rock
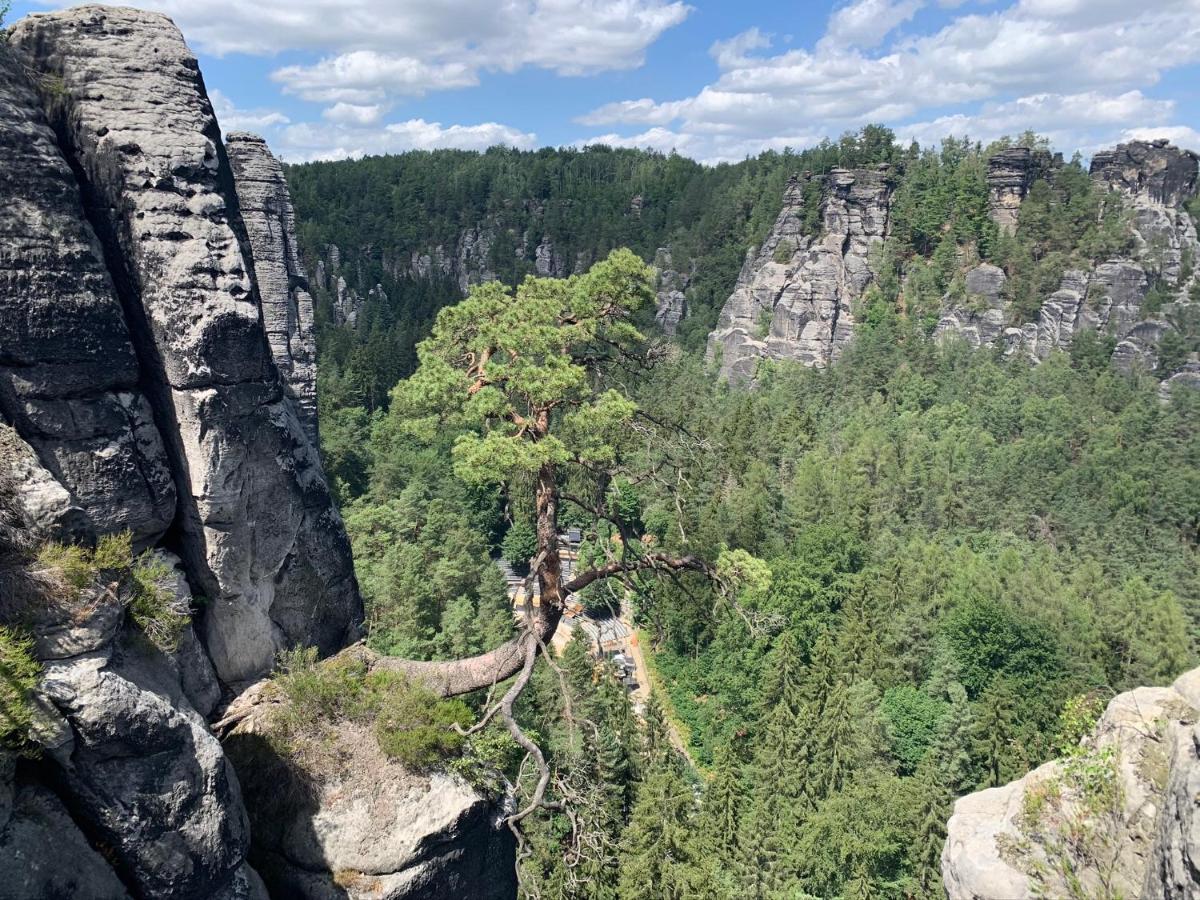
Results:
x,y
145,583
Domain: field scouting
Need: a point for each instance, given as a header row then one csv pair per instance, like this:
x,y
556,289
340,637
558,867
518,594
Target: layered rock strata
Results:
x,y
1064,830
69,377
793,298
259,533
1010,174
287,307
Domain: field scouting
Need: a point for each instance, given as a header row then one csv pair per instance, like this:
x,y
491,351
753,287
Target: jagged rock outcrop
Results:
x,y
154,323
1119,816
794,295
352,823
670,297
78,402
1010,174
982,319
287,307
259,533
1154,180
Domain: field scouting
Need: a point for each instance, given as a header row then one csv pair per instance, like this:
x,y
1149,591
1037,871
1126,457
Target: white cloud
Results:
x,y
1181,135
1073,68
378,48
352,114
864,23
1066,119
307,141
230,118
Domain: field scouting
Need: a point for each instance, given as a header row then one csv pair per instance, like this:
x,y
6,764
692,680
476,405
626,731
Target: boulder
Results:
x,y
351,823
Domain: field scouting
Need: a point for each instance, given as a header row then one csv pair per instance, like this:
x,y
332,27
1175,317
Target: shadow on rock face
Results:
x,y
356,825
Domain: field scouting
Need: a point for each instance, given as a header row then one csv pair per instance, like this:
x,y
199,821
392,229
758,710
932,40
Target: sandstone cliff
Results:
x,y
1117,819
1153,180
794,297
157,376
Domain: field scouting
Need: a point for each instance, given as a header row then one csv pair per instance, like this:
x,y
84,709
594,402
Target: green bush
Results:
x,y
153,605
19,672
411,723
145,583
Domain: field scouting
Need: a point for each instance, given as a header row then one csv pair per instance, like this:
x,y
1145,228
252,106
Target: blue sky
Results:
x,y
712,80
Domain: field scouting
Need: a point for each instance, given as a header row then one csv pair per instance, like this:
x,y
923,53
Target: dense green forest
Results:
x,y
588,202
949,560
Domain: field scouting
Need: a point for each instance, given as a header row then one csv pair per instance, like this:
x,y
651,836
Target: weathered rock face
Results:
x,y
259,533
1153,180
793,297
37,836
1165,174
287,307
670,298
981,322
1010,842
78,402
156,375
1010,174
363,827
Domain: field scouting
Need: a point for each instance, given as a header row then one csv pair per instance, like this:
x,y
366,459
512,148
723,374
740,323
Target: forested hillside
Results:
x,y
487,215
946,559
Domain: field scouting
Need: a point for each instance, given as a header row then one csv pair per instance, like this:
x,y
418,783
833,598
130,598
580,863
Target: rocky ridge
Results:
x,y
794,296
157,377
1119,816
287,309
1154,180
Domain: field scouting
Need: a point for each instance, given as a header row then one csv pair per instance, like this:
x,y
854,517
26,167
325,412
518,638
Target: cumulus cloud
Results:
x,y
231,118
304,142
864,23
376,48
1072,68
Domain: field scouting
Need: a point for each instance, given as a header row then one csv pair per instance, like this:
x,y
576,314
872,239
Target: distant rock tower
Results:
x,y
1010,174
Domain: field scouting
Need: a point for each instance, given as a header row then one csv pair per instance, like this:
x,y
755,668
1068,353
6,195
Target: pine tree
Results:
x,y
655,850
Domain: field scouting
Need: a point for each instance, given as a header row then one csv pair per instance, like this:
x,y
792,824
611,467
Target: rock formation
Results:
x,y
794,295
258,531
1120,816
358,825
156,377
78,402
287,309
671,305
1154,180
1010,174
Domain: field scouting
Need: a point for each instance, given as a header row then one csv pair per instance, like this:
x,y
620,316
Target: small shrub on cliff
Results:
x,y
145,583
410,723
153,604
19,672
